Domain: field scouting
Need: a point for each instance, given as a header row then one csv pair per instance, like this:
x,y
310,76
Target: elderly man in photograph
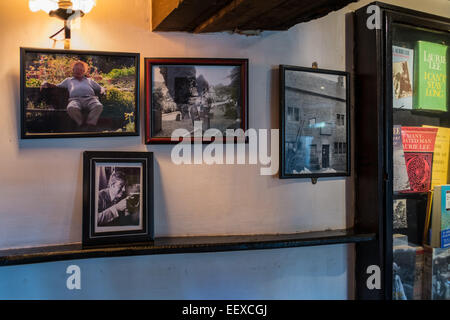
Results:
x,y
82,96
112,201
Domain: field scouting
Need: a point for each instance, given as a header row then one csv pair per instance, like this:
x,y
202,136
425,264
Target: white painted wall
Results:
x,y
41,180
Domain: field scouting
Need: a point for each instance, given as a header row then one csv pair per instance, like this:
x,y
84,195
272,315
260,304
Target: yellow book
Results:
x,y
439,174
428,217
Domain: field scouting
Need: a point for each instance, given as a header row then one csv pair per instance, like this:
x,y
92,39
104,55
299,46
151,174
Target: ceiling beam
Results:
x,y
201,16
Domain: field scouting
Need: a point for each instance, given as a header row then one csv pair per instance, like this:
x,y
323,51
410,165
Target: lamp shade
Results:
x,y
44,5
83,5
52,5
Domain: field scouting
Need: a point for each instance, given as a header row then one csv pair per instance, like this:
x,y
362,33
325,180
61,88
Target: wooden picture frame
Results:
x,y
117,198
103,102
314,123
180,91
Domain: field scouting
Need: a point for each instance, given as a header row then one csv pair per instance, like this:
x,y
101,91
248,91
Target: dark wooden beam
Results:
x,y
201,16
236,14
183,15
298,11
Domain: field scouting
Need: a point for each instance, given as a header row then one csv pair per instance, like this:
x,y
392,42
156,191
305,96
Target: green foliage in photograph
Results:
x,y
118,73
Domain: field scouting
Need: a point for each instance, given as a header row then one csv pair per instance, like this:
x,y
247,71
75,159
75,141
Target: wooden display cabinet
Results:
x,y
370,61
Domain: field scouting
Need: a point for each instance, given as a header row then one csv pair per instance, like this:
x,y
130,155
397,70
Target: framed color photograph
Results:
x,y
79,93
117,197
314,123
194,95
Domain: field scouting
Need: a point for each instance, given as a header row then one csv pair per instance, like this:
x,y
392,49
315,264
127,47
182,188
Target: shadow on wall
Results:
x,y
161,219
77,207
14,87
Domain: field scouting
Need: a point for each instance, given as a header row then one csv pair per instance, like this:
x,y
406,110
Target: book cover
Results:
x,y
403,272
440,157
440,219
436,274
400,216
430,86
401,181
402,77
418,146
407,270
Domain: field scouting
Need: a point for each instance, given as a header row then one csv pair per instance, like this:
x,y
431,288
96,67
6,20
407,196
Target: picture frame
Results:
x,y
69,93
314,123
117,198
181,91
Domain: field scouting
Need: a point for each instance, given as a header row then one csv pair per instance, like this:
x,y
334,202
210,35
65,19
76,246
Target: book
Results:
x,y
418,274
407,270
426,230
430,76
400,181
399,239
400,216
440,157
440,217
436,275
408,217
403,272
418,146
402,77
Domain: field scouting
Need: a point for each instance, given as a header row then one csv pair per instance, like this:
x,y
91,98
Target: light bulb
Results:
x,y
51,5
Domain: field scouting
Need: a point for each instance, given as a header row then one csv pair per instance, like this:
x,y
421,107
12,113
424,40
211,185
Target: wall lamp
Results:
x,y
66,10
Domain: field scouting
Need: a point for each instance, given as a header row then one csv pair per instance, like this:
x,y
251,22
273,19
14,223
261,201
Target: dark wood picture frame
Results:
x,y
149,114
92,238
282,81
86,134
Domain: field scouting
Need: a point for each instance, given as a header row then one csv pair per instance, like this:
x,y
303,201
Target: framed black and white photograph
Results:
x,y
194,94
79,93
314,123
117,197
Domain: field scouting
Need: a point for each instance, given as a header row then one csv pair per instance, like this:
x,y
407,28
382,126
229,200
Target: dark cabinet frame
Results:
x,y
369,60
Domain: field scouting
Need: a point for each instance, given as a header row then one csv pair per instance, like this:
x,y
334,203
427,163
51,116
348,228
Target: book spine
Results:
x,y
427,283
426,230
445,217
436,219
418,278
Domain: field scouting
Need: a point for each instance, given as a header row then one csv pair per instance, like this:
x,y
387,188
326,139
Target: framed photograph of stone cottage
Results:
x,y
186,97
314,123
68,93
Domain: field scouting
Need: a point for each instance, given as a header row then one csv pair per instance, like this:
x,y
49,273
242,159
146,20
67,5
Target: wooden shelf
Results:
x,y
199,16
183,245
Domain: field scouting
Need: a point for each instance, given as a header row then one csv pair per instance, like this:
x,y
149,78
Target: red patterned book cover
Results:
x,y
418,146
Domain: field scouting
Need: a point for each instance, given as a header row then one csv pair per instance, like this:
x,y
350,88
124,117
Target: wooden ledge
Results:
x,y
168,245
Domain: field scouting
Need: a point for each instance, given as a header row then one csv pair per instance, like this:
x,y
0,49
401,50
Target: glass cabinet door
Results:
x,y
420,162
